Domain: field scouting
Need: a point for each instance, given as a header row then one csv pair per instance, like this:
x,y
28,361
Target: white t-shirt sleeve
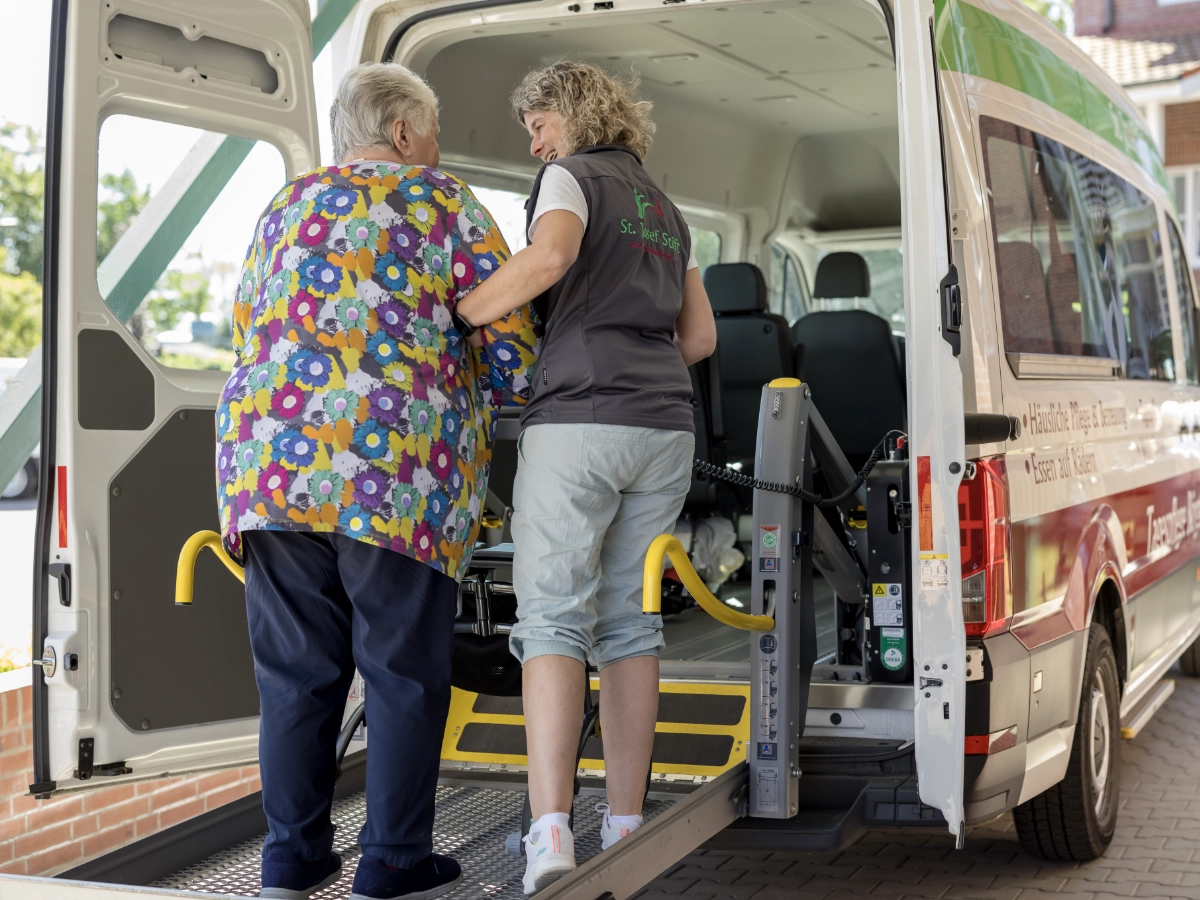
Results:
x,y
692,264
559,190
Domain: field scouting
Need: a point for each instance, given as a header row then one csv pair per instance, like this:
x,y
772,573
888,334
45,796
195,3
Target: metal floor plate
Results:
x,y
471,825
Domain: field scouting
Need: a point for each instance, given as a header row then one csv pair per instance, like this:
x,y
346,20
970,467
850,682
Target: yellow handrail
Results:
x,y
185,574
668,545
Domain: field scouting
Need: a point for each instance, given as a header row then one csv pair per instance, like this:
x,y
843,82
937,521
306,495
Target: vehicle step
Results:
x,y
1140,715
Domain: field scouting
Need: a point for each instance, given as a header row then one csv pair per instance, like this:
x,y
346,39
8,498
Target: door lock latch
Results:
x,y
48,662
930,682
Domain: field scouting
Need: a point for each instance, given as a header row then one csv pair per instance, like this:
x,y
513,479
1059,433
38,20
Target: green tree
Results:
x,y
118,205
20,311
22,185
177,292
1059,13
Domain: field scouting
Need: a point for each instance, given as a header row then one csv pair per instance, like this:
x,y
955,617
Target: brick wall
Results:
x,y
1182,126
42,837
1134,17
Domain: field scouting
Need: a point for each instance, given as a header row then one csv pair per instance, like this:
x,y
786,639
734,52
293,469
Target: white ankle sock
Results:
x,y
630,822
559,819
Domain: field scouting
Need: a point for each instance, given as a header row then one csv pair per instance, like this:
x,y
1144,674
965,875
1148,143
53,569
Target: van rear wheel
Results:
x,y
1075,819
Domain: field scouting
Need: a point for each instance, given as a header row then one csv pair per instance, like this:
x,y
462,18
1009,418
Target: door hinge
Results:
x,y
42,790
87,748
114,768
959,224
952,311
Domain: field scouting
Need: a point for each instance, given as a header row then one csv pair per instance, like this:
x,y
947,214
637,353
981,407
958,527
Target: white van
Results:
x,y
958,217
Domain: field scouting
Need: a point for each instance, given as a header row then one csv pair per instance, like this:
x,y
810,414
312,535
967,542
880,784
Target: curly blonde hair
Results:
x,y
596,107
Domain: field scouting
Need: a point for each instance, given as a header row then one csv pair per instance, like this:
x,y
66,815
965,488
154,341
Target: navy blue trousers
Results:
x,y
319,605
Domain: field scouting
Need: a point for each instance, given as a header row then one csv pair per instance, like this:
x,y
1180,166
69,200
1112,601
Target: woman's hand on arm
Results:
x,y
529,272
695,328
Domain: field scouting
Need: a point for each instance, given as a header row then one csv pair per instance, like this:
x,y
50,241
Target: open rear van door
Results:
x,y
935,420
131,686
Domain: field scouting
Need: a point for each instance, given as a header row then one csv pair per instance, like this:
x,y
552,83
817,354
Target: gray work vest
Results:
x,y
608,355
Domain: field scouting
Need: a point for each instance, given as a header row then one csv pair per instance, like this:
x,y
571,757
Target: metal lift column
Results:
x,y
781,659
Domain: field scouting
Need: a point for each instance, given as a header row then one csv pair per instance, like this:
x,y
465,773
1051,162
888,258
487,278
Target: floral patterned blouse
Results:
x,y
356,406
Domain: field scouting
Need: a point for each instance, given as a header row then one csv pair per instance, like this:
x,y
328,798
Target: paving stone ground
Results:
x,y
1156,851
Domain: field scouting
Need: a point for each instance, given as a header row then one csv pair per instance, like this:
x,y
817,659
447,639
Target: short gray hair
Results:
x,y
371,98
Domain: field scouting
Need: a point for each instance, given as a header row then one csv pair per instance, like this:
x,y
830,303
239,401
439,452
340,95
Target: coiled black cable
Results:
x,y
723,473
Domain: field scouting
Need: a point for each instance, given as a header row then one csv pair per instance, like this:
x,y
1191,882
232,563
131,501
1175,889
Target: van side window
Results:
x,y
1079,266
706,245
1125,232
787,291
1189,316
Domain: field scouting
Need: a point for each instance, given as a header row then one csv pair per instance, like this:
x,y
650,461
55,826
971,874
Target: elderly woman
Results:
x,y
354,444
606,450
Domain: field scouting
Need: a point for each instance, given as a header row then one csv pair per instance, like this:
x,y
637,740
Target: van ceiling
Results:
x,y
783,111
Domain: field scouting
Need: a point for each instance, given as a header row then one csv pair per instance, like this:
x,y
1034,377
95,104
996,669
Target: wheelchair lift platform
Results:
x,y
699,756
474,818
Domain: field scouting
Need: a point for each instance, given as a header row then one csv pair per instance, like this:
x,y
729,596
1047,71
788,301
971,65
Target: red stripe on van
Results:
x,y
61,488
925,503
1136,537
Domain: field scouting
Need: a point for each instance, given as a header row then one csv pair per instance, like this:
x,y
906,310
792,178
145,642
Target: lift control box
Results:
x,y
888,636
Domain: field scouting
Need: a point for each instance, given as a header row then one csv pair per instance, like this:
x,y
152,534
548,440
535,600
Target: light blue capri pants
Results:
x,y
587,502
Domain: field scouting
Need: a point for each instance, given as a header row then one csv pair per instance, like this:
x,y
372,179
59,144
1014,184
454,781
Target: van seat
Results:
x,y
842,274
851,361
753,348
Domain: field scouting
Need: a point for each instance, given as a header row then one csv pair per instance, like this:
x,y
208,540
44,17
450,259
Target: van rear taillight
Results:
x,y
983,543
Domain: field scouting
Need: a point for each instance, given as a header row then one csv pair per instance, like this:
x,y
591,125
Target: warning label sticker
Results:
x,y
887,604
935,570
768,789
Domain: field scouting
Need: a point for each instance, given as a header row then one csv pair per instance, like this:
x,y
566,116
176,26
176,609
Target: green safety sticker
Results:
x,y
770,538
893,648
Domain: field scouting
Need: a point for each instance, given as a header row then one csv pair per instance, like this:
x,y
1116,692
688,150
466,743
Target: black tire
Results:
x,y
1190,661
1076,818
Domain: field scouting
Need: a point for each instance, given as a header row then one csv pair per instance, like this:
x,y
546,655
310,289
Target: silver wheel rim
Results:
x,y
1100,745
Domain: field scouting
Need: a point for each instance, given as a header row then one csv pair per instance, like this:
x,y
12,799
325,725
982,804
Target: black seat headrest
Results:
x,y
842,274
735,287
842,329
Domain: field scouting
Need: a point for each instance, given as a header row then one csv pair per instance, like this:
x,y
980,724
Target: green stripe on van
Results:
x,y
975,42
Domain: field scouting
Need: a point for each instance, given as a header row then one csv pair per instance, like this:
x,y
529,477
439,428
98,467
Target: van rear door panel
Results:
x,y
935,425
130,442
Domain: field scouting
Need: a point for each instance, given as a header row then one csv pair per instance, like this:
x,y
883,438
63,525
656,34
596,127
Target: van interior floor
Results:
x,y
471,824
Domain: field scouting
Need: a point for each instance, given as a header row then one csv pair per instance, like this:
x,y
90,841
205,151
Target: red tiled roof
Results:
x,y
1143,59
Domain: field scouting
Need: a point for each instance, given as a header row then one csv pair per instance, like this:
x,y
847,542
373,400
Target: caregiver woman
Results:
x,y
607,443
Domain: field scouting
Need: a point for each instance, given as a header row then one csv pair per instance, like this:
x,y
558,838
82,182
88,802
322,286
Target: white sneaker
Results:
x,y
549,855
610,833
